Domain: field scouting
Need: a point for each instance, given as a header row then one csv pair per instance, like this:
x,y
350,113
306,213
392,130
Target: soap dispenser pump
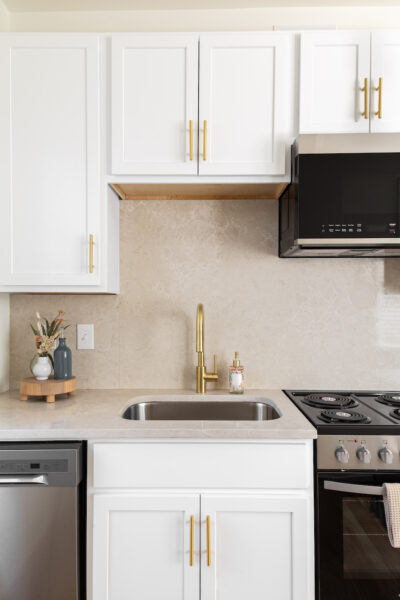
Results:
x,y
236,376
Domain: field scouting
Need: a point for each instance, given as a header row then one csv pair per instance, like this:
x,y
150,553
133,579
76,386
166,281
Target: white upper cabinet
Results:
x,y
146,547
154,104
49,163
334,66
257,547
385,81
233,120
244,84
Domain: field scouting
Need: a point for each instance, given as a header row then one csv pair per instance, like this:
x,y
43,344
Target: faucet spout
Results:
x,y
201,372
200,328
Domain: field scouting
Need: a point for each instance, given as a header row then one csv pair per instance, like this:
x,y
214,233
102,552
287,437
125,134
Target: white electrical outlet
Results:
x,y
85,337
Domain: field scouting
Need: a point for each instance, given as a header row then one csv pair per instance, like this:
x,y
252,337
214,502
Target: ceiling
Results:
x,y
100,5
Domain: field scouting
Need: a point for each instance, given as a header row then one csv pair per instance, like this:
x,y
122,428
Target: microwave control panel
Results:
x,y
359,229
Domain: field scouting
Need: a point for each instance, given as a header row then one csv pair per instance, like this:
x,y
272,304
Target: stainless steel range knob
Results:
x,y
342,454
364,455
386,455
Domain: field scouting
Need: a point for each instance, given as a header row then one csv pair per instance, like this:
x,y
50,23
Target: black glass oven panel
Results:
x,y
349,195
355,557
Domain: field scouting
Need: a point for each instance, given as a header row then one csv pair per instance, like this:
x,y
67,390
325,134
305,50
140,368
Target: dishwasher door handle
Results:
x,y
23,480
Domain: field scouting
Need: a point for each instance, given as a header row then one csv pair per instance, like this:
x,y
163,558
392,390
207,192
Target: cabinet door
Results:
x,y
154,98
333,67
385,61
260,547
49,159
142,547
244,81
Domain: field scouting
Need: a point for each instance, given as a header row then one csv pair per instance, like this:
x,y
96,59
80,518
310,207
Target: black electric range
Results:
x,y
360,412
357,451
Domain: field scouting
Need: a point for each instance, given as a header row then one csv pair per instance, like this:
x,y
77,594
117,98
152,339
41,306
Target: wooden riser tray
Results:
x,y
49,388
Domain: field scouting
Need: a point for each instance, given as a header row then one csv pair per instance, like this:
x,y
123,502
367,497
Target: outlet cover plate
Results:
x,y
85,337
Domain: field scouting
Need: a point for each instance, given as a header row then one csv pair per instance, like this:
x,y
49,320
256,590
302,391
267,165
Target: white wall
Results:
x,y
4,298
4,18
208,20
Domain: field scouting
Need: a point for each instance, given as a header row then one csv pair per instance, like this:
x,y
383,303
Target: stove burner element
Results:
x,y
341,416
389,399
395,413
331,400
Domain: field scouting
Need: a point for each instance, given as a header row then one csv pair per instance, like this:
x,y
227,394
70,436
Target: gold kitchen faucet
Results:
x,y
201,372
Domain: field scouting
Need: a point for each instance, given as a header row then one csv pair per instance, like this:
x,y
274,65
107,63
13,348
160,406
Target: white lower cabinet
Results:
x,y
199,543
142,547
257,547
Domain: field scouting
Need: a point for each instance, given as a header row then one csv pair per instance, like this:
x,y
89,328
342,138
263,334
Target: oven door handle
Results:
x,y
353,488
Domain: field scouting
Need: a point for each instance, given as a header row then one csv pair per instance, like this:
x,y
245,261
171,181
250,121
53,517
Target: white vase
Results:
x,y
42,368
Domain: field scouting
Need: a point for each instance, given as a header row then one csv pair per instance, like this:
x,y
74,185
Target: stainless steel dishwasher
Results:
x,y
40,521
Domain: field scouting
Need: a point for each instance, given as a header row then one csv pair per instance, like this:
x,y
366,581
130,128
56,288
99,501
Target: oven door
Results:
x,y
349,196
355,558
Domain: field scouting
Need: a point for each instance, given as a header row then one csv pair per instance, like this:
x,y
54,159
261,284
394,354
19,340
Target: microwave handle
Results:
x,y
353,488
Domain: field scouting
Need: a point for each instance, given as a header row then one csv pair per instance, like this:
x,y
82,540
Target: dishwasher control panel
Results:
x,y
33,466
60,463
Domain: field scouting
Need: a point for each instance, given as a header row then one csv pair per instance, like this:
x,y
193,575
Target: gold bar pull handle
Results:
x,y
208,526
365,90
215,364
379,90
191,552
91,244
205,140
191,139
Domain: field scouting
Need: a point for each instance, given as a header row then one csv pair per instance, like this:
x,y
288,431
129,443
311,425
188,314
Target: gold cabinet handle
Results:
x,y
191,139
208,523
379,90
365,90
205,140
191,541
91,244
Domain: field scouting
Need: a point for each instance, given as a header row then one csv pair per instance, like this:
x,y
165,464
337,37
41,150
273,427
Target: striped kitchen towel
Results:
x,y
391,500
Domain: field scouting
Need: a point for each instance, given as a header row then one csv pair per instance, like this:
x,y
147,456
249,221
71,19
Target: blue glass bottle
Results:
x,y
62,360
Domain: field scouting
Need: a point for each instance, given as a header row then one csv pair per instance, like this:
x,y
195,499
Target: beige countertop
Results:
x,y
96,414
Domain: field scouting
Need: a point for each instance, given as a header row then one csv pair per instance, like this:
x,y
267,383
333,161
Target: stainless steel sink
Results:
x,y
201,410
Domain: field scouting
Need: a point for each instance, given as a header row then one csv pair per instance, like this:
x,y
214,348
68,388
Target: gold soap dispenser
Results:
x,y
236,376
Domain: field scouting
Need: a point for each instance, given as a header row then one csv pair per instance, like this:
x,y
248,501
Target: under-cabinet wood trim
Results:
x,y
199,191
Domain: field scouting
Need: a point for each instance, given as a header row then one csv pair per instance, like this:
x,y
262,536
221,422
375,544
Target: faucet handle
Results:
x,y
215,364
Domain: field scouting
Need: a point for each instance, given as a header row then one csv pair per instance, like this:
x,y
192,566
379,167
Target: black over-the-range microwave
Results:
x,y
342,204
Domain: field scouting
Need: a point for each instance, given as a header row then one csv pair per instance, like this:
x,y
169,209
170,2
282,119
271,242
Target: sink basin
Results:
x,y
201,410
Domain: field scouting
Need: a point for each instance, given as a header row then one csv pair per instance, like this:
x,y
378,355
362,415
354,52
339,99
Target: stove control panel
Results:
x,y
358,452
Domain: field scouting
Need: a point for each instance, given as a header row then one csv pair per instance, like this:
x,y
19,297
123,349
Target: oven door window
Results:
x,y
355,555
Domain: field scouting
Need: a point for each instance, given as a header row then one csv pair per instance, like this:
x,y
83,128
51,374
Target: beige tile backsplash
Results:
x,y
306,323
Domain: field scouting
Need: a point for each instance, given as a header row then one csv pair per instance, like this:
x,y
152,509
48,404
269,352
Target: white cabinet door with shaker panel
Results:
x,y
334,82
154,104
256,547
385,81
244,103
145,545
51,209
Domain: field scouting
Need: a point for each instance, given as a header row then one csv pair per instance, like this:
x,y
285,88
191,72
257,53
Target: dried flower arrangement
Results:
x,y
47,332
